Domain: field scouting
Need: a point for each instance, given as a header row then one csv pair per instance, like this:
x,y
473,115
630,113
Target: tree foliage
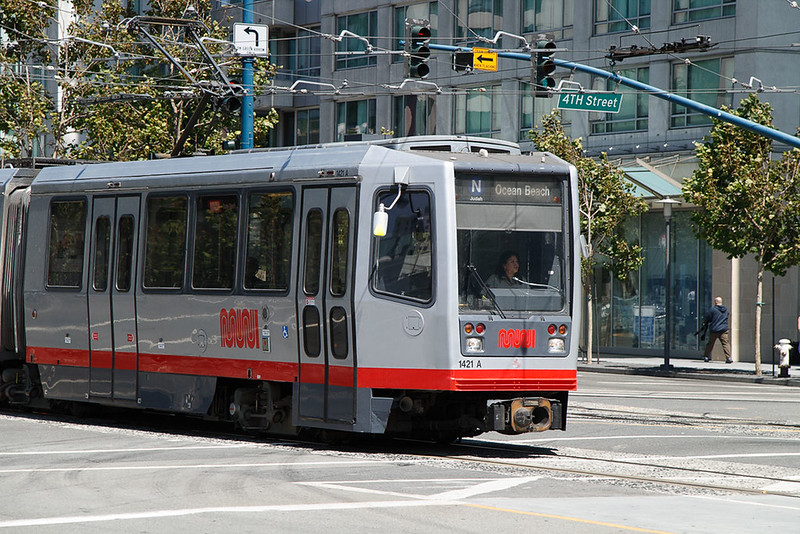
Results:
x,y
119,97
605,201
749,202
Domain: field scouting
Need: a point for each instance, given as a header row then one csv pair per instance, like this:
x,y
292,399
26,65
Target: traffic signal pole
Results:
x,y
247,83
712,112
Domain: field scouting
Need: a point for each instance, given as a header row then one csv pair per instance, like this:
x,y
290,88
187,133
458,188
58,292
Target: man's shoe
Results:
x,y
705,360
728,361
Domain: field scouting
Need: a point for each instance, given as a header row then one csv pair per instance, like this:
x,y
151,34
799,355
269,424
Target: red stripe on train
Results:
x,y
426,379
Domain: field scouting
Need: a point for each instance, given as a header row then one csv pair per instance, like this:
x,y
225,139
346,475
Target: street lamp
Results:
x,y
667,204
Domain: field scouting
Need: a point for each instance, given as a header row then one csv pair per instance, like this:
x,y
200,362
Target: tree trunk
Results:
x,y
759,306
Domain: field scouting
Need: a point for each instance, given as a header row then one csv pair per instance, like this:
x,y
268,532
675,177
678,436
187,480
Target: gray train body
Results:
x,y
254,287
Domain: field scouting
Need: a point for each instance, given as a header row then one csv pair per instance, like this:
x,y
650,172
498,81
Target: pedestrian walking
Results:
x,y
716,321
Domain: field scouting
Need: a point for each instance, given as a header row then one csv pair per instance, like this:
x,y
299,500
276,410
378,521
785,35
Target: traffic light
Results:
x,y
418,34
544,66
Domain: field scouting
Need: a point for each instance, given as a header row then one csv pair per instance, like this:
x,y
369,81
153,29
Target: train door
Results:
x,y
114,357
327,360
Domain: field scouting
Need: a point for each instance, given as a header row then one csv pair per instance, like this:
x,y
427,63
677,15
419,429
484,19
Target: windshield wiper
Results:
x,y
538,286
486,289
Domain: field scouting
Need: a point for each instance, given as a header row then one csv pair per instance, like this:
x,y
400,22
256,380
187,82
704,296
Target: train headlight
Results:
x,y
555,344
474,344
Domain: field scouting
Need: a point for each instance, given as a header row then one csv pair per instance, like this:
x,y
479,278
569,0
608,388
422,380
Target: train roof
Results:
x,y
331,161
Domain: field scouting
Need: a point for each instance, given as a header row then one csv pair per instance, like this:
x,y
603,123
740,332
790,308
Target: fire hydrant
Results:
x,y
785,347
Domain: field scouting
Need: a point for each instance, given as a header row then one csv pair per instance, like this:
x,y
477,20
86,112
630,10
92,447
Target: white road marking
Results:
x,y
342,463
111,451
154,514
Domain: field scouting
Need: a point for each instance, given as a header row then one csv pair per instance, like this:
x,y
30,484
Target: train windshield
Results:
x,y
511,243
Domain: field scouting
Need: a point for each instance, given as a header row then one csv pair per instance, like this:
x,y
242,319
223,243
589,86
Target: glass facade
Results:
x,y
704,81
482,18
477,112
692,10
413,115
631,313
548,16
612,16
633,112
362,24
533,109
355,117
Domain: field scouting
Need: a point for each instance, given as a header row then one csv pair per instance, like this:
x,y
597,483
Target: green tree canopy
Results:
x,y
749,202
605,201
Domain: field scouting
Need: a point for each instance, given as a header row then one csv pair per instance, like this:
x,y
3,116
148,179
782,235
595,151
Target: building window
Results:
x,y
165,242
354,118
361,24
413,115
65,258
477,112
703,81
483,18
548,16
533,109
297,54
692,10
632,115
618,15
429,11
307,127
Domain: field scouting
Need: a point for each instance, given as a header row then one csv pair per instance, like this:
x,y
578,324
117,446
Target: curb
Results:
x,y
690,374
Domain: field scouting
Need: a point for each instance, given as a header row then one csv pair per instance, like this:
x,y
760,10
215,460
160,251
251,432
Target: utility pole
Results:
x,y
247,84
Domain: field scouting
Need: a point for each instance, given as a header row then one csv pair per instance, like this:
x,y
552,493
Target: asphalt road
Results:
x,y
640,455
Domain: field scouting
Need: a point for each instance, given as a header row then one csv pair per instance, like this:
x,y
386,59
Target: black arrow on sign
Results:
x,y
255,32
482,59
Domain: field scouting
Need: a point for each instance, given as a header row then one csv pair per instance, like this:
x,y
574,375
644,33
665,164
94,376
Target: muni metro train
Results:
x,y
340,287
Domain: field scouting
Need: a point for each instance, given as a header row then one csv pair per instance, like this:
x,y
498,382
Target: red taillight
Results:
x,y
480,328
551,329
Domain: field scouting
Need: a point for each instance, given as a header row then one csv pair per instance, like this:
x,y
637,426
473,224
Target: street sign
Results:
x,y
602,102
251,39
483,59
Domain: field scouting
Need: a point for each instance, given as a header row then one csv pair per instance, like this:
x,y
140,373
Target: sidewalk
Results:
x,y
691,368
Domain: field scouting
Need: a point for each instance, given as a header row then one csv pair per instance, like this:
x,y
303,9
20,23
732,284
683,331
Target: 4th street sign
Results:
x,y
602,102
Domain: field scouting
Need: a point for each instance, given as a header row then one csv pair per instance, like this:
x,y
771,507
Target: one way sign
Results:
x,y
483,59
251,39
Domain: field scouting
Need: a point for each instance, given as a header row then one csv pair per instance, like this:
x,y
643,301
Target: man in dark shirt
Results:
x,y
716,320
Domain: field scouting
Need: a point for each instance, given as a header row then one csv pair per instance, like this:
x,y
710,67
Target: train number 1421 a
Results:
x,y
470,364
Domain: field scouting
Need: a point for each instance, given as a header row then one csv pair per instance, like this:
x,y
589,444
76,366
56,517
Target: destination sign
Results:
x,y
480,189
602,102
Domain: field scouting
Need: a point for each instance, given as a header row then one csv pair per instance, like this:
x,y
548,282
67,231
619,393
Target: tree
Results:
x,y
24,103
749,203
119,97
131,102
605,200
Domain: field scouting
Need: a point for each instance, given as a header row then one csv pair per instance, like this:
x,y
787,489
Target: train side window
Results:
x,y
341,238
269,240
65,254
403,259
313,252
102,242
124,253
165,242
215,239
338,327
